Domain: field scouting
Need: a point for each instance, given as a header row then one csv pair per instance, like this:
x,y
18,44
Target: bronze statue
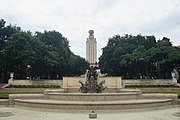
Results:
x,y
91,85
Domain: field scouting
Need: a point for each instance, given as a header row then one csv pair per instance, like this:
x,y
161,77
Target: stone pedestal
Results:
x,y
71,84
92,115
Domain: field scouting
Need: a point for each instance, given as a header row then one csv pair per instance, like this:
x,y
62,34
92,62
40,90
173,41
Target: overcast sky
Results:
x,y
74,18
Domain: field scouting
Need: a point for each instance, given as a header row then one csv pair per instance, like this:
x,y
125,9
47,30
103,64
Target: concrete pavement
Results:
x,y
34,114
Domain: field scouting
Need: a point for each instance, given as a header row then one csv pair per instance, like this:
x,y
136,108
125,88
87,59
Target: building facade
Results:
x,y
91,49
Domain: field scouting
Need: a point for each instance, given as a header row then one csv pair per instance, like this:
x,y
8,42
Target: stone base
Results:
x,y
127,99
93,105
92,115
77,90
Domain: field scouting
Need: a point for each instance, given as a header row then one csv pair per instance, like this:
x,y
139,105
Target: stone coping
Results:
x,y
93,94
178,101
159,89
120,102
174,97
4,102
160,95
130,90
22,89
24,96
54,90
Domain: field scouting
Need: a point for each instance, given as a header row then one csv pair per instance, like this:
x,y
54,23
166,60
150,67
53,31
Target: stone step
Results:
x,y
92,96
95,105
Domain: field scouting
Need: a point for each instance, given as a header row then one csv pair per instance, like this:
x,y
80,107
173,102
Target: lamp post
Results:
x,y
141,66
28,72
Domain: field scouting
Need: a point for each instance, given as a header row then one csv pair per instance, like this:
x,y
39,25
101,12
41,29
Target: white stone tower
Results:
x,y
91,49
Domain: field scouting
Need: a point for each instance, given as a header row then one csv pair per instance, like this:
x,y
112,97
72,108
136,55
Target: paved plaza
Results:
x,y
32,114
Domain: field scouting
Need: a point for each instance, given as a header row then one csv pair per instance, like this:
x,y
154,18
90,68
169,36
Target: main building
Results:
x,y
91,49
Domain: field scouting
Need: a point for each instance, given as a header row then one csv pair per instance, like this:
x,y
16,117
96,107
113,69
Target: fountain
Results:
x,y
93,96
91,85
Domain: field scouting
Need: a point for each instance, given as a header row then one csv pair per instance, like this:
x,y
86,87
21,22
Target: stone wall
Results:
x,y
39,90
111,82
36,82
159,89
122,90
150,82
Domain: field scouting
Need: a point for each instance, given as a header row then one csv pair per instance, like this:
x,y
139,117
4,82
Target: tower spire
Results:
x,y
91,49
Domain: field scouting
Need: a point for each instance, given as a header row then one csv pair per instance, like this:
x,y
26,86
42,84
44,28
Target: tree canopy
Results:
x,y
139,57
42,55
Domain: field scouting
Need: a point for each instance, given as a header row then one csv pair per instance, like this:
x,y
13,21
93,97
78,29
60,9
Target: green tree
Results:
x,y
139,57
6,33
117,57
77,65
21,51
46,54
58,54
